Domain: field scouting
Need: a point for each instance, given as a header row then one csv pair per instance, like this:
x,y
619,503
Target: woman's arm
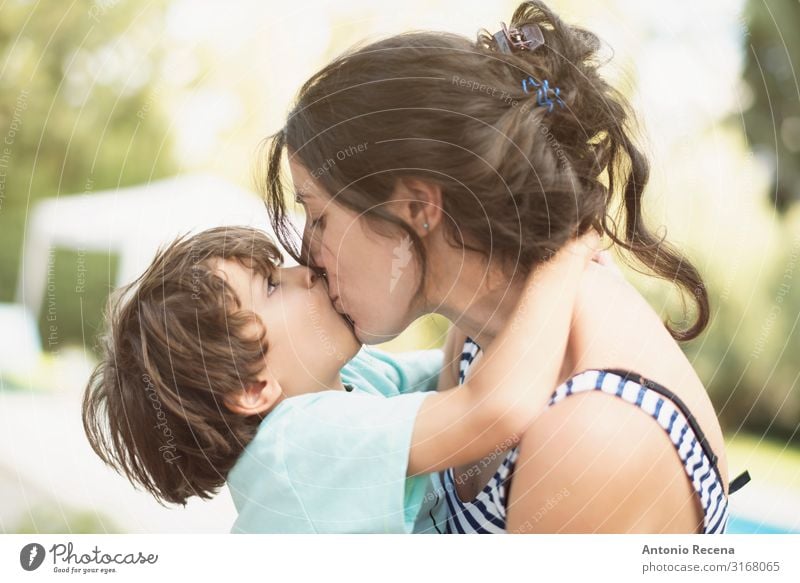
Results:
x,y
512,383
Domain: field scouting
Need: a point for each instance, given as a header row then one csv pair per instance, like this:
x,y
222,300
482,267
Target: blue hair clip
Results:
x,y
546,96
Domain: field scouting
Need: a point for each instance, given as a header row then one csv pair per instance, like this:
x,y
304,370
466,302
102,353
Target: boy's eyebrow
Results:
x,y
253,283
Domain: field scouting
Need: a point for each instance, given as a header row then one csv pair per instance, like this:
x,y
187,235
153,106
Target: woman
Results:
x,y
436,172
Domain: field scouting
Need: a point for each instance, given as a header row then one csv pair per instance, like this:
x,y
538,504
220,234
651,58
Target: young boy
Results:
x,y
220,365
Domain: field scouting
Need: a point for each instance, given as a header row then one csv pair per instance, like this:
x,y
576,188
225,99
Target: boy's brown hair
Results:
x,y
177,343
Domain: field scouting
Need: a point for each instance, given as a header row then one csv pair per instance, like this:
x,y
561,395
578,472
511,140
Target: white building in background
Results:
x,y
131,222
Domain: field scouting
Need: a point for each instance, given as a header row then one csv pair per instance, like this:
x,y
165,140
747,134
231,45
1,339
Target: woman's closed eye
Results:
x,y
271,285
318,223
313,223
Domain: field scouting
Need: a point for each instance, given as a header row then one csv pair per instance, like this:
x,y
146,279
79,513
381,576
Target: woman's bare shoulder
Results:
x,y
617,328
597,455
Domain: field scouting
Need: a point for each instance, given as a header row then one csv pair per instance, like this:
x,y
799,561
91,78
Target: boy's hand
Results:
x,y
580,250
605,259
587,245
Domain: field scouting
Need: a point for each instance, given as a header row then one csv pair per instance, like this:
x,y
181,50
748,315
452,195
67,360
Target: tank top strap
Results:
x,y
677,401
734,485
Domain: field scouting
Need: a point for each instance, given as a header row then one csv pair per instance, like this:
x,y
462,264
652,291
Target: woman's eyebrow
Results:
x,y
300,196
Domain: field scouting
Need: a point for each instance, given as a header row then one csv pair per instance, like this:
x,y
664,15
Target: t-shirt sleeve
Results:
x,y
416,370
346,458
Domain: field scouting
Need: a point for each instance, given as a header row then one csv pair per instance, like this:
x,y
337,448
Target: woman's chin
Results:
x,y
371,338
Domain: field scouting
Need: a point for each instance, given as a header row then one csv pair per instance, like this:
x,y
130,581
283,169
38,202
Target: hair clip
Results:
x,y
528,37
544,92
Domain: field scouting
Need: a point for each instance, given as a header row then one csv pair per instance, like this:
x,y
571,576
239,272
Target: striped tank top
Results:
x,y
487,512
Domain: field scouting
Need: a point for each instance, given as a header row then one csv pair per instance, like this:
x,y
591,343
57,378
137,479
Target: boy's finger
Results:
x,y
605,259
588,244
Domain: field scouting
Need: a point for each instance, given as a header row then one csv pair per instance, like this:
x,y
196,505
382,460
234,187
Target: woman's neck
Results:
x,y
474,296
480,299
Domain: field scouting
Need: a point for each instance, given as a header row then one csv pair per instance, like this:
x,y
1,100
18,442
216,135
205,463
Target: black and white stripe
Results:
x,y
487,512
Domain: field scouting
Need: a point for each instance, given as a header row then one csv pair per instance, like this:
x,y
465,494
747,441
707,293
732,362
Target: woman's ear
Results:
x,y
255,398
419,203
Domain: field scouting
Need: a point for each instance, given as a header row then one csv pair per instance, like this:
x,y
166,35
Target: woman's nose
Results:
x,y
309,277
311,249
299,276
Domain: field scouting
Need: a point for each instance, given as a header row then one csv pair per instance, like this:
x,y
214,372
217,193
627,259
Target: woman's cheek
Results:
x,y
339,243
328,248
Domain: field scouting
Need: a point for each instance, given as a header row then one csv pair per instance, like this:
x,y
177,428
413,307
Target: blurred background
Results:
x,y
124,123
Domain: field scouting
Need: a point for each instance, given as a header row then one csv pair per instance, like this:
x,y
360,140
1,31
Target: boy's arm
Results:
x,y
513,381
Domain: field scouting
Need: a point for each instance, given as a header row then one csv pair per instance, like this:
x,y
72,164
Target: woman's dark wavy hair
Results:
x,y
177,343
517,180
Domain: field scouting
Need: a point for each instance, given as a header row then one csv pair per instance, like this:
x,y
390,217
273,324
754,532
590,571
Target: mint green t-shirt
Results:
x,y
336,461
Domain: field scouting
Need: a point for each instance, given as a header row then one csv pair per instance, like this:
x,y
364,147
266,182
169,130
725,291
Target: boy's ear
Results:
x,y
255,398
419,203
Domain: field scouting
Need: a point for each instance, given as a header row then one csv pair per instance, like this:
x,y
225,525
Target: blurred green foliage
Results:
x,y
772,123
52,518
79,112
749,354
80,284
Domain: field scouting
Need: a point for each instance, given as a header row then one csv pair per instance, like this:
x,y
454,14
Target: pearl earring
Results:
x,y
425,226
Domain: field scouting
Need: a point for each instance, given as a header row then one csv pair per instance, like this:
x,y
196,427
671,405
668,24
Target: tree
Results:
x,y
79,112
772,123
